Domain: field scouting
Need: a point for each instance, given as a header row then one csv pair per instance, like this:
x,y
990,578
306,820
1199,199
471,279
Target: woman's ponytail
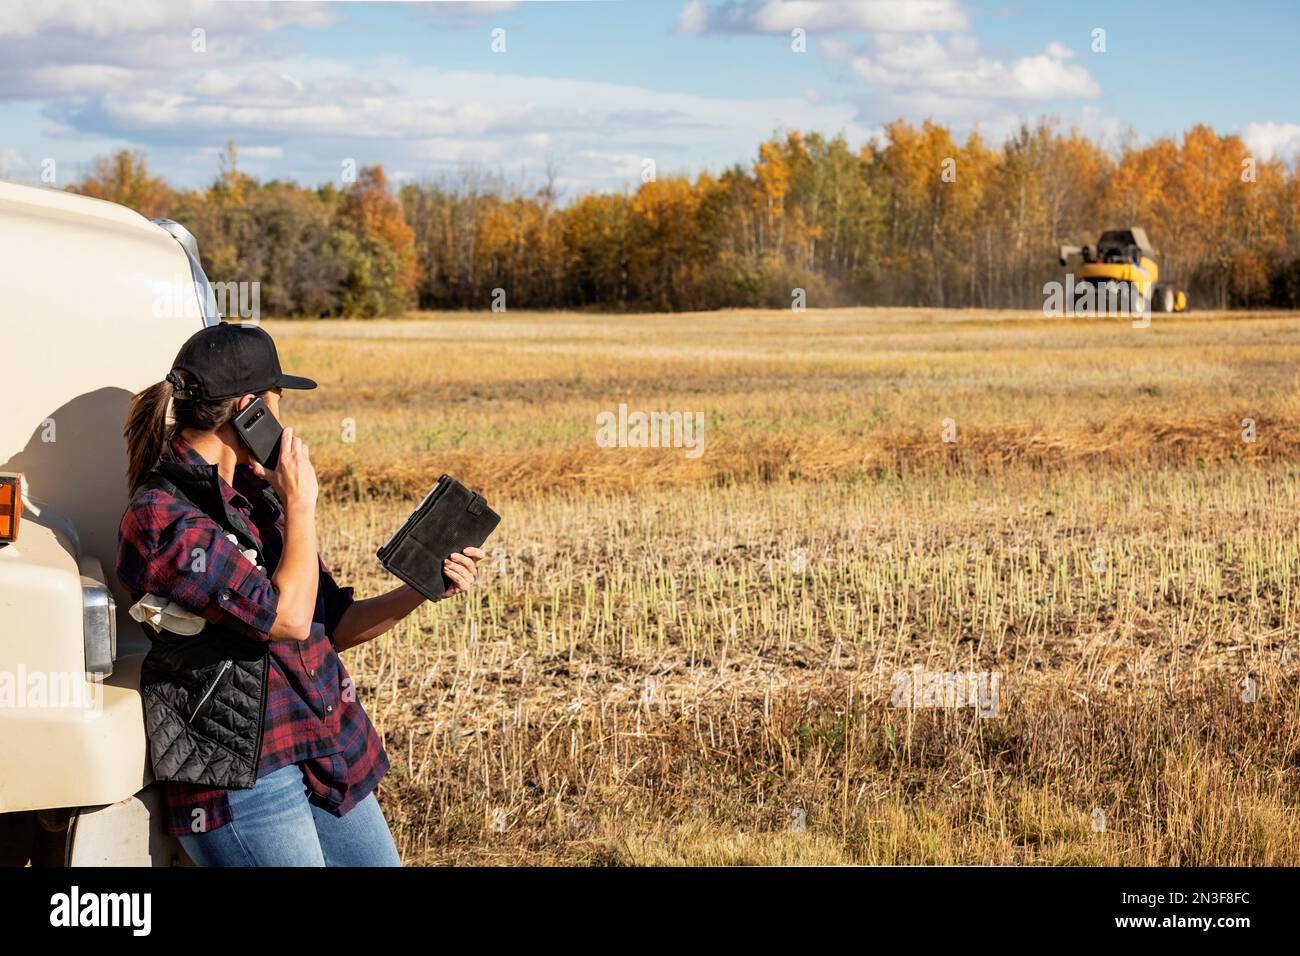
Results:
x,y
146,431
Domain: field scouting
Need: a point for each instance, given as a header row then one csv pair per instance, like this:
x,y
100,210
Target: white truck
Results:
x,y
96,301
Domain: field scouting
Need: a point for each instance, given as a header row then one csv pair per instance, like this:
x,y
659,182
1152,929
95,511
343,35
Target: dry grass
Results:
x,y
673,659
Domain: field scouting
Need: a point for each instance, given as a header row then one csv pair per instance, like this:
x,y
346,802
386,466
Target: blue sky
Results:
x,y
592,89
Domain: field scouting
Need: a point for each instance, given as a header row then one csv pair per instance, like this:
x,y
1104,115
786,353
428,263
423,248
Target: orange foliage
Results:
x,y
915,219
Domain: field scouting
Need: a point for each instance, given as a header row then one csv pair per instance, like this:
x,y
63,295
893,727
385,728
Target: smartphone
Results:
x,y
259,430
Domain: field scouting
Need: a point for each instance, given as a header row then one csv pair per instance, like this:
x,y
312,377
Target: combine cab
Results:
x,y
1124,264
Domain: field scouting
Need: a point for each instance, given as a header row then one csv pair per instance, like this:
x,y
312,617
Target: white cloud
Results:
x,y
74,79
464,14
694,18
309,113
1048,76
826,16
1269,140
60,48
926,68
918,59
24,18
951,80
133,78
261,152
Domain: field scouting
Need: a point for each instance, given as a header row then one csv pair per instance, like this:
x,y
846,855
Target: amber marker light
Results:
x,y
11,506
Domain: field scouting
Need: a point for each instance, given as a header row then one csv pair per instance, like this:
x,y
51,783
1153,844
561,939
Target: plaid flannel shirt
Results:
x,y
312,715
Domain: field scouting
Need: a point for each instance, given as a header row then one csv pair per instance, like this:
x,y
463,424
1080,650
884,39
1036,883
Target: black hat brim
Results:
x,y
294,381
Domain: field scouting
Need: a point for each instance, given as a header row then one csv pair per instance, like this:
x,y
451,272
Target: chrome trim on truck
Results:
x,y
99,621
203,288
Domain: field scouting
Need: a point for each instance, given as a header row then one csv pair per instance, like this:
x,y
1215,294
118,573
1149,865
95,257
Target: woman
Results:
x,y
266,756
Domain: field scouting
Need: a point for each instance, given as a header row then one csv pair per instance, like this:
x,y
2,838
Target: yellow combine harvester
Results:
x,y
1124,260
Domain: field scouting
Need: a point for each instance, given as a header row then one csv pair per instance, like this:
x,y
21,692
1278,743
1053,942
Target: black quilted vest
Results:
x,y
205,694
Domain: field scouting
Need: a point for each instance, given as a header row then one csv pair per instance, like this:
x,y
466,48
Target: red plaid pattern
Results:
x,y
169,547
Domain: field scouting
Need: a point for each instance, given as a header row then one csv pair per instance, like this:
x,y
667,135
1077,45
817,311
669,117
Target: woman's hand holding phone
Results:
x,y
294,481
294,477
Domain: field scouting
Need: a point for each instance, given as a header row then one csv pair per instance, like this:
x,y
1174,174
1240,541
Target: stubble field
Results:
x,y
694,659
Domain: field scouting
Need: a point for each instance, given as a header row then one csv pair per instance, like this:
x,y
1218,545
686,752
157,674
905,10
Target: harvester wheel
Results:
x,y
1136,304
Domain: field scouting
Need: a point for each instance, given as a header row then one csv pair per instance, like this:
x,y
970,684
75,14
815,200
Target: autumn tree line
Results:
x,y
916,219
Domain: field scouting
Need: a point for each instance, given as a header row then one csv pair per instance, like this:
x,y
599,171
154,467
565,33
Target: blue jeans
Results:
x,y
275,825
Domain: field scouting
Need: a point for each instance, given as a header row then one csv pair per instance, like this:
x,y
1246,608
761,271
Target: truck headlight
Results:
x,y
99,625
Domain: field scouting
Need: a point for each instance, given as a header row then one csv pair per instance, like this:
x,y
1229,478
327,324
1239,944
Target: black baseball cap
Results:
x,y
228,360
